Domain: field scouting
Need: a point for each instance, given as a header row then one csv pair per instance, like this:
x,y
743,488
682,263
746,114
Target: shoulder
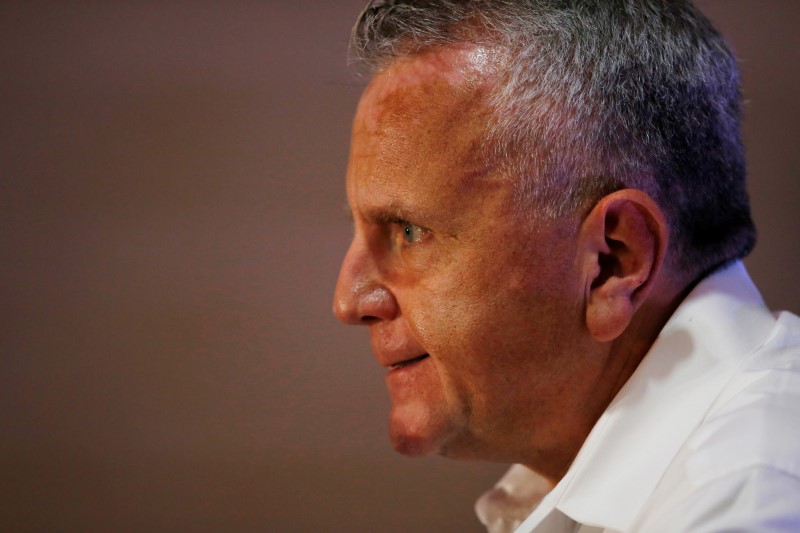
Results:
x,y
756,498
741,465
755,421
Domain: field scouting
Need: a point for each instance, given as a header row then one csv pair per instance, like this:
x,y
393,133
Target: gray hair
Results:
x,y
595,96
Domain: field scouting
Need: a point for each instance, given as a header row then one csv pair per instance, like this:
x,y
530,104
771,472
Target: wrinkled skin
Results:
x,y
442,263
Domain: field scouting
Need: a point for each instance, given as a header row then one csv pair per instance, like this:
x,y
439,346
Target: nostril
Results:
x,y
376,303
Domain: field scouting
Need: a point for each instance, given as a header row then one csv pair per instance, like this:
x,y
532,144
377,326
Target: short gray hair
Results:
x,y
595,96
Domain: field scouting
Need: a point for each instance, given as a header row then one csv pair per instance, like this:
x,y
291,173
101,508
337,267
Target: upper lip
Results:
x,y
395,358
395,346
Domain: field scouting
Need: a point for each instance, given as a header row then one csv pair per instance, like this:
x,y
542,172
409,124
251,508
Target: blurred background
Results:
x,y
171,223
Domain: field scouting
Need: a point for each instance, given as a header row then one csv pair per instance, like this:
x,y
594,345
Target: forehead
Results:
x,y
421,122
443,81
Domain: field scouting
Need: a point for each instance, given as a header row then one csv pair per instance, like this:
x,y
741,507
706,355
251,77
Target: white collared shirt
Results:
x,y
705,436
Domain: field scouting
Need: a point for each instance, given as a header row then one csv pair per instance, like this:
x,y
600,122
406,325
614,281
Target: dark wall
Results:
x,y
171,222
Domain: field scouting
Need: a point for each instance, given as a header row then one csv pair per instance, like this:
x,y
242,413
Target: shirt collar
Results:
x,y
622,460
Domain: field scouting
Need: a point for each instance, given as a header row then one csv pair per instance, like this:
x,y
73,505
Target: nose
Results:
x,y
361,297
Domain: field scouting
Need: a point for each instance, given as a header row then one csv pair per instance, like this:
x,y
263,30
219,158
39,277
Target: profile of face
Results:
x,y
474,310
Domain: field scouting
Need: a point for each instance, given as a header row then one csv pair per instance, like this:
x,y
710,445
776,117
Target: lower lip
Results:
x,y
407,382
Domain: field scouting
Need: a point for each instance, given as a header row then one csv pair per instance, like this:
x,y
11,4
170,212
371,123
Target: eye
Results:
x,y
411,232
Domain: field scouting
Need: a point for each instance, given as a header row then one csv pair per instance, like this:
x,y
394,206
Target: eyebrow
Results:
x,y
387,214
376,215
392,213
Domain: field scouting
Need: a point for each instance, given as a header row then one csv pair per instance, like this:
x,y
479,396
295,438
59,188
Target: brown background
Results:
x,y
171,226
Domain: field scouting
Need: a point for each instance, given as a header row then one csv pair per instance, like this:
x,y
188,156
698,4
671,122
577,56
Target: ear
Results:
x,y
622,241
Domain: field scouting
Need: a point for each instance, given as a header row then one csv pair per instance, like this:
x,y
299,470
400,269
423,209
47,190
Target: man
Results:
x,y
549,206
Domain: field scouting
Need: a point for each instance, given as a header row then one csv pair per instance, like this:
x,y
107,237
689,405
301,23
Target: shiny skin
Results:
x,y
443,263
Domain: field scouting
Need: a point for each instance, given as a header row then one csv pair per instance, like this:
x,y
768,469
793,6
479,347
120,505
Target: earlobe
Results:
x,y
623,242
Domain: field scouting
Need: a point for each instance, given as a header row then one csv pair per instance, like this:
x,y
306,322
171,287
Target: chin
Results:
x,y
426,439
421,421
419,438
412,444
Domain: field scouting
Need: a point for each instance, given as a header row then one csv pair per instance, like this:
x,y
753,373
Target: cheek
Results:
x,y
445,314
464,322
492,320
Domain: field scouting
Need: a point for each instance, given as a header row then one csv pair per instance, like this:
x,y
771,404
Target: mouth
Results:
x,y
407,362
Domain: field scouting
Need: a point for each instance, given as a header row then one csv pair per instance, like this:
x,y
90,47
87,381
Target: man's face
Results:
x,y
473,309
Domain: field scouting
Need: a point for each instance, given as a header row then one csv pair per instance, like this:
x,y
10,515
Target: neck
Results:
x,y
623,356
